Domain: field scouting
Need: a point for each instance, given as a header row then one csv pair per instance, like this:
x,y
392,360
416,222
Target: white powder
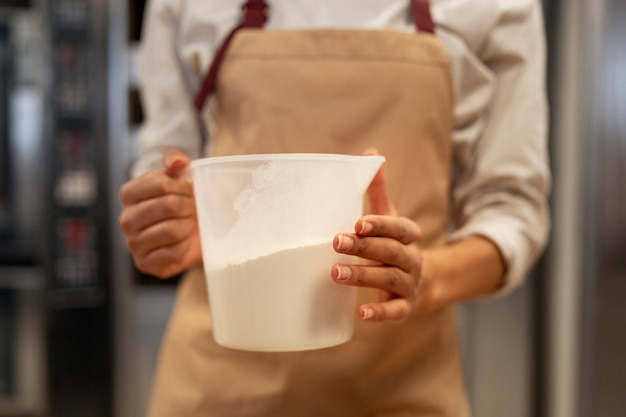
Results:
x,y
282,301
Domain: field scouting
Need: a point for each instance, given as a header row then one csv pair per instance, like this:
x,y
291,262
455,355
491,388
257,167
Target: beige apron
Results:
x,y
338,91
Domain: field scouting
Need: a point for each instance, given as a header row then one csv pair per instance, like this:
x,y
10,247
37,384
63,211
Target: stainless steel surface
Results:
x,y
26,122
587,371
22,278
604,298
63,339
28,117
153,306
29,344
565,256
22,272
126,359
497,348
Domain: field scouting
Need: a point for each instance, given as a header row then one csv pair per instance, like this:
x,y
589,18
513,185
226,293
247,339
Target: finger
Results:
x,y
167,261
167,233
377,193
154,184
383,296
398,228
397,309
371,152
163,262
175,161
379,249
146,213
387,278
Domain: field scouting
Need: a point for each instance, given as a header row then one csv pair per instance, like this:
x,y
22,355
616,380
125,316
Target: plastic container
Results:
x,y
266,228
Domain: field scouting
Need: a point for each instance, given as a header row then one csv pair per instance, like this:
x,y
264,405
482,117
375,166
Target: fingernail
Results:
x,y
175,164
366,227
367,313
343,272
174,160
344,243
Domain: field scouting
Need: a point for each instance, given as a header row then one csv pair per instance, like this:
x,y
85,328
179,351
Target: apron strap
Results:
x,y
422,16
255,16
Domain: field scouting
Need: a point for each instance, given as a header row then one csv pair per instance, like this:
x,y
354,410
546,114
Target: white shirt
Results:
x,y
497,51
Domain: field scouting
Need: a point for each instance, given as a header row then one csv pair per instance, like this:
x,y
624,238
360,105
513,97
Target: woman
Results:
x,y
452,94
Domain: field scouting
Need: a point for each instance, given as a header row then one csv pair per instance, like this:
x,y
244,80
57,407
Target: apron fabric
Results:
x,y
328,91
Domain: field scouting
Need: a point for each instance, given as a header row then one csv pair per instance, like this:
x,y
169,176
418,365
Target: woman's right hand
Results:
x,y
159,218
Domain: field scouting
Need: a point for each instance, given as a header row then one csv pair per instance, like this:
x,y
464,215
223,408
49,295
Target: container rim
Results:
x,y
214,160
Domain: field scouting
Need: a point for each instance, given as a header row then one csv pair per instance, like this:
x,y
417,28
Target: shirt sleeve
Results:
x,y
502,184
171,120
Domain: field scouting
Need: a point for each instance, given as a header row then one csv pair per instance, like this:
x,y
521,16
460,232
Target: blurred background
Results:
x,y
80,328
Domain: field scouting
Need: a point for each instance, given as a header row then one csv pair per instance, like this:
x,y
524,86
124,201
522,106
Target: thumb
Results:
x,y
175,161
377,193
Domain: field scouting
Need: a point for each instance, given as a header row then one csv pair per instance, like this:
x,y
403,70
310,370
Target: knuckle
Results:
x,y
419,261
132,244
153,173
171,205
163,273
403,232
402,311
409,231
419,234
393,277
162,184
123,222
361,246
175,267
396,312
172,232
176,252
416,275
358,275
395,253
162,269
142,265
124,193
169,233
171,265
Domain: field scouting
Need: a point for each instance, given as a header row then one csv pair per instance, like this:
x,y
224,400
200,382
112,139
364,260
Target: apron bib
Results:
x,y
327,91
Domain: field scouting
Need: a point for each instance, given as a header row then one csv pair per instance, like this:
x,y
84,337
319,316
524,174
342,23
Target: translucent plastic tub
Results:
x,y
266,225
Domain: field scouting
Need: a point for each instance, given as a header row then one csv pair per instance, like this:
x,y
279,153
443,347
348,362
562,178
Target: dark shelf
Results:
x,y
136,10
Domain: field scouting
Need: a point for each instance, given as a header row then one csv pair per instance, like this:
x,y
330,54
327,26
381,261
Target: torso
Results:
x,y
341,92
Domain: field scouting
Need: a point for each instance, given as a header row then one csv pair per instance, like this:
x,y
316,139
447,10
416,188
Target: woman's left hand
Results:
x,y
391,247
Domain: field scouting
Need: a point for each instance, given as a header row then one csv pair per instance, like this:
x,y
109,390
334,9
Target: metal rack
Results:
x,y
79,297
23,277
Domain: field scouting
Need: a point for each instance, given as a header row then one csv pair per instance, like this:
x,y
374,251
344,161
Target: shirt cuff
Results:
x,y
508,234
